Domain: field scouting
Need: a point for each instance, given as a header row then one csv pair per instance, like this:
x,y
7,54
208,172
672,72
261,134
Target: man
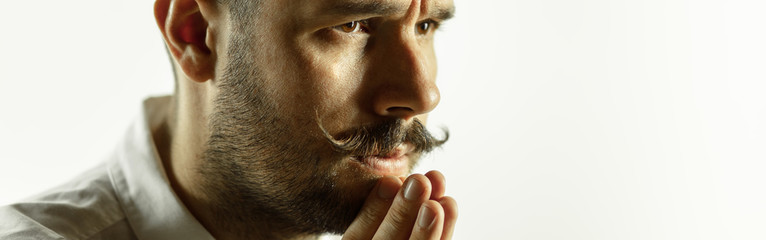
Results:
x,y
290,119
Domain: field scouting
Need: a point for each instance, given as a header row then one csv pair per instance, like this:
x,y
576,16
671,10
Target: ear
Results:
x,y
187,35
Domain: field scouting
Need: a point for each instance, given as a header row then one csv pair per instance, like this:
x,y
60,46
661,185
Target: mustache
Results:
x,y
381,139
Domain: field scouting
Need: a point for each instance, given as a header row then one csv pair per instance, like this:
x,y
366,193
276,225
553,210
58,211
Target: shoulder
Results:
x,y
85,208
16,225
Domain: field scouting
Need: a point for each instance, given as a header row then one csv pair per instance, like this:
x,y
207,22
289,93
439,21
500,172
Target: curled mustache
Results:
x,y
383,138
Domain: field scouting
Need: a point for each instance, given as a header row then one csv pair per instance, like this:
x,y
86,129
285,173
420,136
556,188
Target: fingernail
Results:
x,y
426,217
413,190
387,191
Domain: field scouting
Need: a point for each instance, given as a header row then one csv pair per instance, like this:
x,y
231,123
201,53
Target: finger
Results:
x,y
430,221
401,216
374,209
438,184
449,205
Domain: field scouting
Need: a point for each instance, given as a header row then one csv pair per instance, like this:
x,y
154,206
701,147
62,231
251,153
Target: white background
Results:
x,y
586,119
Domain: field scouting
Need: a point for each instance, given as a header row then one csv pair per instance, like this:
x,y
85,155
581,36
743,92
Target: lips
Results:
x,y
395,163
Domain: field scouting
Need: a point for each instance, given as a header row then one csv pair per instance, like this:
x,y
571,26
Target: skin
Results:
x,y
309,69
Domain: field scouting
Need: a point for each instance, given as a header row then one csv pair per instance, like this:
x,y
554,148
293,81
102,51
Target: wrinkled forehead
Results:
x,y
436,9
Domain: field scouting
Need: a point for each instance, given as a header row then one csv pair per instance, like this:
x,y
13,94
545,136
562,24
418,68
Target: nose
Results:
x,y
406,80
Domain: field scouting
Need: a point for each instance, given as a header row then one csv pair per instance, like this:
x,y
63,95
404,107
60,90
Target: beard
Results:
x,y
261,171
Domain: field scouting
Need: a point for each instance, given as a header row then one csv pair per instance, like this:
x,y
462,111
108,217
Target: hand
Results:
x,y
419,210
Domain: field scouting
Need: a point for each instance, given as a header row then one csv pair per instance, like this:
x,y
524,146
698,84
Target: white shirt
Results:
x,y
126,197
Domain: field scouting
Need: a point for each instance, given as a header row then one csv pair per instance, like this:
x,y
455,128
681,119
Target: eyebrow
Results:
x,y
444,13
365,8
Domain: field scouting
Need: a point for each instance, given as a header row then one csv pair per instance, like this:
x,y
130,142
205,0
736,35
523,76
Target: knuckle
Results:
x,y
399,217
374,211
368,217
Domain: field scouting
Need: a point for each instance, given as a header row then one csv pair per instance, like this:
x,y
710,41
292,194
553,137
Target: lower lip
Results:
x,y
386,166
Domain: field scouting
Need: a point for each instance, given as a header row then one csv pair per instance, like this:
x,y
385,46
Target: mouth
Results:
x,y
396,163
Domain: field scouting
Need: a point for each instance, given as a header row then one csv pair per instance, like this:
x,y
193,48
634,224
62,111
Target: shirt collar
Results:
x,y
153,210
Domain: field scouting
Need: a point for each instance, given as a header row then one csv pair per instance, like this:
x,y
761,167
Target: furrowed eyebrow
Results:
x,y
364,8
444,13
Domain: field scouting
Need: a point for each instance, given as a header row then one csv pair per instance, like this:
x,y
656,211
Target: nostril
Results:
x,y
394,109
402,112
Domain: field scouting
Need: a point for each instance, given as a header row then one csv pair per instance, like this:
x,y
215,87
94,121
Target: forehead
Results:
x,y
441,9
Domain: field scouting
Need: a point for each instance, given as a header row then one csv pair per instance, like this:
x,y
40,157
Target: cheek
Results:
x,y
336,65
342,78
332,80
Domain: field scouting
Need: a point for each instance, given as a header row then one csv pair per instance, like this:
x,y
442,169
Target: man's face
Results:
x,y
316,100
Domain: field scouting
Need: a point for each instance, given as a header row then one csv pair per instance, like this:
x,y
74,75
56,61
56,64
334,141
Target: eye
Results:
x,y
426,26
353,26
